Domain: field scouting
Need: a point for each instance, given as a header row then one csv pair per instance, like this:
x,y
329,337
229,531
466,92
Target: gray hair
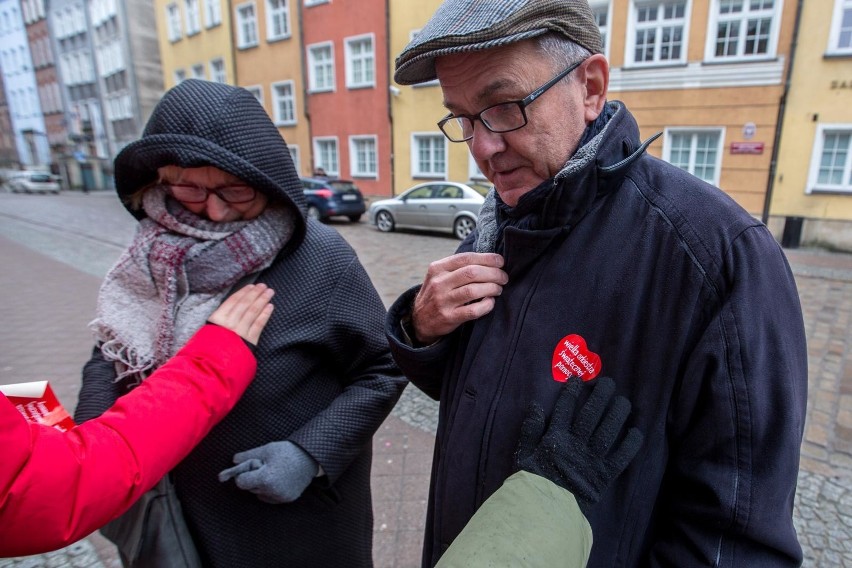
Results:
x,y
561,51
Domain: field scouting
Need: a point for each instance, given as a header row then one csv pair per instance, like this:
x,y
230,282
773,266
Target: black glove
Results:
x,y
581,453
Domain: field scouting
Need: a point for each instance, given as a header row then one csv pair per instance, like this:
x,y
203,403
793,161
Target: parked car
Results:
x,y
333,197
445,206
32,182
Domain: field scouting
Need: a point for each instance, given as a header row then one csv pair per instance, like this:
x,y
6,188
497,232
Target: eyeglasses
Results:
x,y
502,117
238,193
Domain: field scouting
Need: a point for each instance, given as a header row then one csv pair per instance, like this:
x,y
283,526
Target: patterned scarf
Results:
x,y
174,274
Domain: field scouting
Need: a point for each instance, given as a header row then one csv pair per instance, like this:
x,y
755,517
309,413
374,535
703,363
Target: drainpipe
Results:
x,y
305,94
390,95
773,164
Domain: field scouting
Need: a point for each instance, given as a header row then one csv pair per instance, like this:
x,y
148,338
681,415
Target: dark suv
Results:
x,y
332,197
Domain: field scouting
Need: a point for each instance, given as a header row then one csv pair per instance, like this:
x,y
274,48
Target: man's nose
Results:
x,y
485,143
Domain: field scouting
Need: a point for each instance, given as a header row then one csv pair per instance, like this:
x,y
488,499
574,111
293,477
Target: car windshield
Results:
x,y
343,185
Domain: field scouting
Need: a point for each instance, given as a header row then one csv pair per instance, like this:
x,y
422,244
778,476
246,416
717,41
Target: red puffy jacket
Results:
x,y
57,487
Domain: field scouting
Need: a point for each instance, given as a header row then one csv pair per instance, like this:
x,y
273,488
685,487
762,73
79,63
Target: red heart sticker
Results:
x,y
572,358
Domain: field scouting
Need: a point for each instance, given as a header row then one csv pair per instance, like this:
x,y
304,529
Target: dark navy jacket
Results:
x,y
691,307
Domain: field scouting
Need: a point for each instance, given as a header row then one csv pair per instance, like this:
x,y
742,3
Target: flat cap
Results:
x,y
472,25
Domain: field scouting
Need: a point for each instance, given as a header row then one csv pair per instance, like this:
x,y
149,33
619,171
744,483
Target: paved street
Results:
x,y
56,249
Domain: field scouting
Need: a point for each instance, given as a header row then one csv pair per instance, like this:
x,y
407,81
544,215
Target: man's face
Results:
x,y
213,208
518,161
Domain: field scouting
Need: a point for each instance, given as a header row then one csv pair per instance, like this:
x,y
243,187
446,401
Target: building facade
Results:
x,y
19,79
812,192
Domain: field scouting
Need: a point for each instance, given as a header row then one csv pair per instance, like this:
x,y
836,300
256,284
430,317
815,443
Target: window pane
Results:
x,y
833,161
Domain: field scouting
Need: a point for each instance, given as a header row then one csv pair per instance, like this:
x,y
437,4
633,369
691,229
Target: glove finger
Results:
x,y
594,408
566,405
236,470
532,430
253,480
252,454
610,427
626,451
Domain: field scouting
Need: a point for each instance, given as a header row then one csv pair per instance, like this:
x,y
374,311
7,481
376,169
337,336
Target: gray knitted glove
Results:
x,y
277,473
585,446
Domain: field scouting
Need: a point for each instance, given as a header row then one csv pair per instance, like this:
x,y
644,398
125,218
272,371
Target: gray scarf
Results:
x,y
174,274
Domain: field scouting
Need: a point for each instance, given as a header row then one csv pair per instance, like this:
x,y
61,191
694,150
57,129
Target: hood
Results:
x,y
202,123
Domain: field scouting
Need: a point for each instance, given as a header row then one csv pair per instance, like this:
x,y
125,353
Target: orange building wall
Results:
x,y
347,112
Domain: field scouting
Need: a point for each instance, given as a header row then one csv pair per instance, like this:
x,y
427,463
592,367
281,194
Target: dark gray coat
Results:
x,y
325,378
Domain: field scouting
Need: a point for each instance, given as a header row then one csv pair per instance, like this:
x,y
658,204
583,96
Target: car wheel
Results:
x,y
354,218
463,226
314,213
384,221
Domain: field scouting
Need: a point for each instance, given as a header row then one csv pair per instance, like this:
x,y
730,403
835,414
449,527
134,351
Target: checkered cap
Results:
x,y
471,25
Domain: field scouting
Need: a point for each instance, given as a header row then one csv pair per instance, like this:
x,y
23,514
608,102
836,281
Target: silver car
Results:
x,y
445,206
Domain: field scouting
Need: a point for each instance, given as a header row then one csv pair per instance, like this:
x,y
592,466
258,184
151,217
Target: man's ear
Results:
x,y
596,77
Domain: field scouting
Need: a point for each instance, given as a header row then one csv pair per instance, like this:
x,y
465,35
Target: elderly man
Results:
x,y
592,257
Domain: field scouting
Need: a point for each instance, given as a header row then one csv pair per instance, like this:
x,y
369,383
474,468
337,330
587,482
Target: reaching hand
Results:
x,y
456,289
581,453
245,312
277,473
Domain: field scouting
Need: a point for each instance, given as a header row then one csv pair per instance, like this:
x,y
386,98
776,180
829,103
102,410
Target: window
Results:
x,y
217,71
698,151
294,155
321,68
283,103
831,163
840,38
742,29
212,13
325,155
246,25
360,62
193,17
198,71
362,156
173,22
429,155
180,76
658,33
601,14
277,19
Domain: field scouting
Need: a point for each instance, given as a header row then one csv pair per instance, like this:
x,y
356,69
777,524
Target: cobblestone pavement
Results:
x,y
87,232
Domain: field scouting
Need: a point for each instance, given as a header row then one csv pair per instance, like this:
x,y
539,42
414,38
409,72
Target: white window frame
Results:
x,y
331,169
316,2
633,27
296,157
257,91
198,71
434,137
193,17
840,6
275,14
694,132
366,59
372,164
715,17
212,13
173,22
816,160
279,117
247,35
327,67
606,29
179,76
218,73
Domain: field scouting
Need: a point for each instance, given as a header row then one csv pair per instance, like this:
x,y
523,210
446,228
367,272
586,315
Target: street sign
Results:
x,y
746,147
